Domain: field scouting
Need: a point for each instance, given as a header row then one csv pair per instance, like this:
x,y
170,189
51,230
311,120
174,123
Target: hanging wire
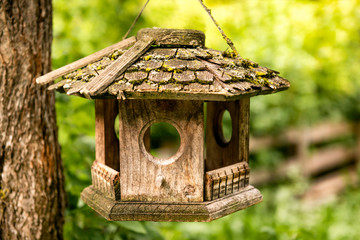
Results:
x,y
228,40
136,19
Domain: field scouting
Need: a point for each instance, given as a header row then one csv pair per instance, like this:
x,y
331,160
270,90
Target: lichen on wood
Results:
x,y
223,73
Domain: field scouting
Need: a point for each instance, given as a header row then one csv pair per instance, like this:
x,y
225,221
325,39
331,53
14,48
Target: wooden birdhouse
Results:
x,y
168,75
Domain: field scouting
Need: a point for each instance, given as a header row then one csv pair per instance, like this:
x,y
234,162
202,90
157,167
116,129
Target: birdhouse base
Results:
x,y
207,211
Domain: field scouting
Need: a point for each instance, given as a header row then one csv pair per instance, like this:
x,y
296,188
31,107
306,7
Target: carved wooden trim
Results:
x,y
175,211
106,180
226,180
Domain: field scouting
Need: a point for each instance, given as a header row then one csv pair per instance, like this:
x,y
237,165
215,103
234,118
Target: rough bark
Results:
x,y
32,195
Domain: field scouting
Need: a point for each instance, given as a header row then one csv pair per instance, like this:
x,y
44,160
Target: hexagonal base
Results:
x,y
170,212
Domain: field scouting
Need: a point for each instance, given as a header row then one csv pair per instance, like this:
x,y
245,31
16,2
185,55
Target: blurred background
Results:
x,y
305,141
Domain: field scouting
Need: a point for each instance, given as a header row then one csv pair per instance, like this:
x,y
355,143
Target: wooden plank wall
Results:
x,y
146,178
313,158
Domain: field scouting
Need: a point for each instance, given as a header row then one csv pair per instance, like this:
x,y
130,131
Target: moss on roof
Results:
x,y
179,72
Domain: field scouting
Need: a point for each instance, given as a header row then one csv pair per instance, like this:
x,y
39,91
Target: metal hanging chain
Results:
x,y
136,19
228,40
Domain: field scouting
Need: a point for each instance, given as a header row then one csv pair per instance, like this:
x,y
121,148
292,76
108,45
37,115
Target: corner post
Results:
x,y
107,143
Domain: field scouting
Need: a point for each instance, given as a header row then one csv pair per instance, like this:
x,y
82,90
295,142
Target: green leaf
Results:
x,y
133,226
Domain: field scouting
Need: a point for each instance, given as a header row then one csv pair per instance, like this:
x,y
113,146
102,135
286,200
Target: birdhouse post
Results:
x,y
168,75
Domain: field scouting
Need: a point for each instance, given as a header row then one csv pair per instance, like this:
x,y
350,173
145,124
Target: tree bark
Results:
x,y
32,198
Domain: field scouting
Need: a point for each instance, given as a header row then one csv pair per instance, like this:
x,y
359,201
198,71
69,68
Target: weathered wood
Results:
x,y
173,37
201,53
160,77
106,180
237,74
59,84
151,65
219,152
184,77
175,212
107,143
172,87
226,180
51,76
205,76
146,87
174,64
115,88
196,87
139,169
195,65
160,53
75,88
136,77
214,69
241,86
100,82
184,53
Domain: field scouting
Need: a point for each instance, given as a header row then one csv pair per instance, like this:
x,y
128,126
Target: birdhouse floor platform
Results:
x,y
207,211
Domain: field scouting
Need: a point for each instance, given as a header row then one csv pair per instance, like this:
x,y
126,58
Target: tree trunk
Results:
x,y
32,198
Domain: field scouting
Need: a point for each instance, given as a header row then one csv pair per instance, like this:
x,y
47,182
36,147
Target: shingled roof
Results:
x,y
174,70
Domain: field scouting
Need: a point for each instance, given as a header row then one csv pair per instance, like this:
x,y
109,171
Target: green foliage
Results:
x,y
279,216
315,44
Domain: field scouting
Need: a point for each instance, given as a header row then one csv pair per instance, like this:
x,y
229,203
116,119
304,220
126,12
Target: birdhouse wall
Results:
x,y
107,143
218,153
146,178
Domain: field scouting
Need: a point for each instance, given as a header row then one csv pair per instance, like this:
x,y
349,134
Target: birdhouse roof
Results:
x,y
170,64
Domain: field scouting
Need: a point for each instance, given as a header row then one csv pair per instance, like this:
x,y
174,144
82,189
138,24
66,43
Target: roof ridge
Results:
x,y
119,66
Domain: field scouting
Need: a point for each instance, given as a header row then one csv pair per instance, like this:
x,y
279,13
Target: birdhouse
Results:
x,y
169,76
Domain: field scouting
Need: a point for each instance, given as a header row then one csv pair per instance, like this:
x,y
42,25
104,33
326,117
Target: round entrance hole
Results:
x,y
226,126
162,140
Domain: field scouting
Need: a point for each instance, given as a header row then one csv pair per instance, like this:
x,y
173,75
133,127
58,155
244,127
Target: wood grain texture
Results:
x,y
103,80
184,77
106,141
184,53
51,76
106,180
227,180
160,53
160,77
136,77
205,77
219,153
151,65
183,173
214,69
170,212
173,37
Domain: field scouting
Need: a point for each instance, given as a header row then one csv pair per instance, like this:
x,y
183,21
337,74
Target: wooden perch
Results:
x,y
51,76
100,82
